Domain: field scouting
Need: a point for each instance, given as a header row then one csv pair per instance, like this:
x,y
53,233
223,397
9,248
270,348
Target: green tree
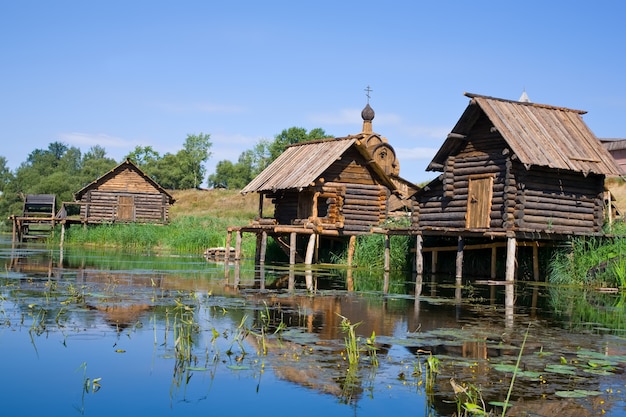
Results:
x,y
5,173
192,157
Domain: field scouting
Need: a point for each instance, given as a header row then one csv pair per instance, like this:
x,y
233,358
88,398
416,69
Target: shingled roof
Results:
x,y
538,134
302,163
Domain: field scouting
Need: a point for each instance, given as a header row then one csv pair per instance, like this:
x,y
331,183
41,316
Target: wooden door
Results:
x,y
479,193
126,208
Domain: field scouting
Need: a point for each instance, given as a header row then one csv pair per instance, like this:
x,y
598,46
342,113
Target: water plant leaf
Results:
x,y
505,367
577,393
561,369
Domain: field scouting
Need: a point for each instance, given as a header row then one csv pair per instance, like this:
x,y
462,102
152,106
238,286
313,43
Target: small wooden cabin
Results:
x,y
332,187
336,186
516,170
124,194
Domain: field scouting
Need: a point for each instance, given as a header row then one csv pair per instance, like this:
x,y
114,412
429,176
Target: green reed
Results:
x,y
183,235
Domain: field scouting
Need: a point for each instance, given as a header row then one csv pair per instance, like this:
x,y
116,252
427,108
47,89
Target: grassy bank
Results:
x,y
199,220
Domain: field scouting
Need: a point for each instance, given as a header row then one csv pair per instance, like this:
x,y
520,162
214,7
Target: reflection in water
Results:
x,y
166,329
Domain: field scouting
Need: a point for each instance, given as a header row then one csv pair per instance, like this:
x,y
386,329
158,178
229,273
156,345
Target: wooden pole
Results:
x,y
351,249
511,245
387,260
419,256
433,261
229,238
263,247
494,258
293,236
459,259
308,259
238,245
536,261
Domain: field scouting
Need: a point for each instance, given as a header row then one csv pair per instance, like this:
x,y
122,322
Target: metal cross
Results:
x,y
368,90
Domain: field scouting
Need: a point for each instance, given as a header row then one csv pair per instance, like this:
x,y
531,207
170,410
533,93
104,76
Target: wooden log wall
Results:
x,y
565,202
363,206
102,206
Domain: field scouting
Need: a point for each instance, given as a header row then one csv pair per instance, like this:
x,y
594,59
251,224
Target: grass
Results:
x,y
199,220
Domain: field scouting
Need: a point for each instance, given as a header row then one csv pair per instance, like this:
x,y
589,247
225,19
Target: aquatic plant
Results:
x,y
469,400
590,261
351,340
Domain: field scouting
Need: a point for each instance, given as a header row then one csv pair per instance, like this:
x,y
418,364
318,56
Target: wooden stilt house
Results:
x,y
124,194
332,187
515,172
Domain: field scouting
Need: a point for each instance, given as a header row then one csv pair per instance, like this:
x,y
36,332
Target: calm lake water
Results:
x,y
104,333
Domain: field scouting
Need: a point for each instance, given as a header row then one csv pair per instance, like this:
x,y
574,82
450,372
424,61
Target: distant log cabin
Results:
x,y
124,194
617,149
515,170
332,187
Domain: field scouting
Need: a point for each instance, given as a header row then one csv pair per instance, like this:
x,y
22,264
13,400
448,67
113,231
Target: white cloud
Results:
x,y
91,139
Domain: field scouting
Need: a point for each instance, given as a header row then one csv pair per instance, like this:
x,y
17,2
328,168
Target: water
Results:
x,y
103,333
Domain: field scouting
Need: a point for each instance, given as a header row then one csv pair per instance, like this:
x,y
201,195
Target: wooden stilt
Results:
x,y
292,247
459,259
229,238
62,234
387,253
433,261
351,249
536,261
511,245
308,259
386,282
238,245
419,256
494,258
263,247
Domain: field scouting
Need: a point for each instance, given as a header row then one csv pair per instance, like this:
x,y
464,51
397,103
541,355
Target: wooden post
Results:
x,y
260,205
263,247
229,238
387,260
536,261
433,261
293,236
351,248
494,258
308,259
62,234
14,233
419,256
238,245
459,259
511,245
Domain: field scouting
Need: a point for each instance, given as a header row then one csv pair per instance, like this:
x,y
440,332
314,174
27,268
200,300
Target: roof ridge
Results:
x,y
523,103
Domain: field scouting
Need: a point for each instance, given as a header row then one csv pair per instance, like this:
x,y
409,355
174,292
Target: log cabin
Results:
x,y
617,149
514,173
333,187
123,195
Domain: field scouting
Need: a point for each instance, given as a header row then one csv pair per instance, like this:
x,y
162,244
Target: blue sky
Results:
x,y
124,73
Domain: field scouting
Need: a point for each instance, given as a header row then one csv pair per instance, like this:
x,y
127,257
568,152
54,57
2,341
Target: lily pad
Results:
x,y
561,369
577,393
